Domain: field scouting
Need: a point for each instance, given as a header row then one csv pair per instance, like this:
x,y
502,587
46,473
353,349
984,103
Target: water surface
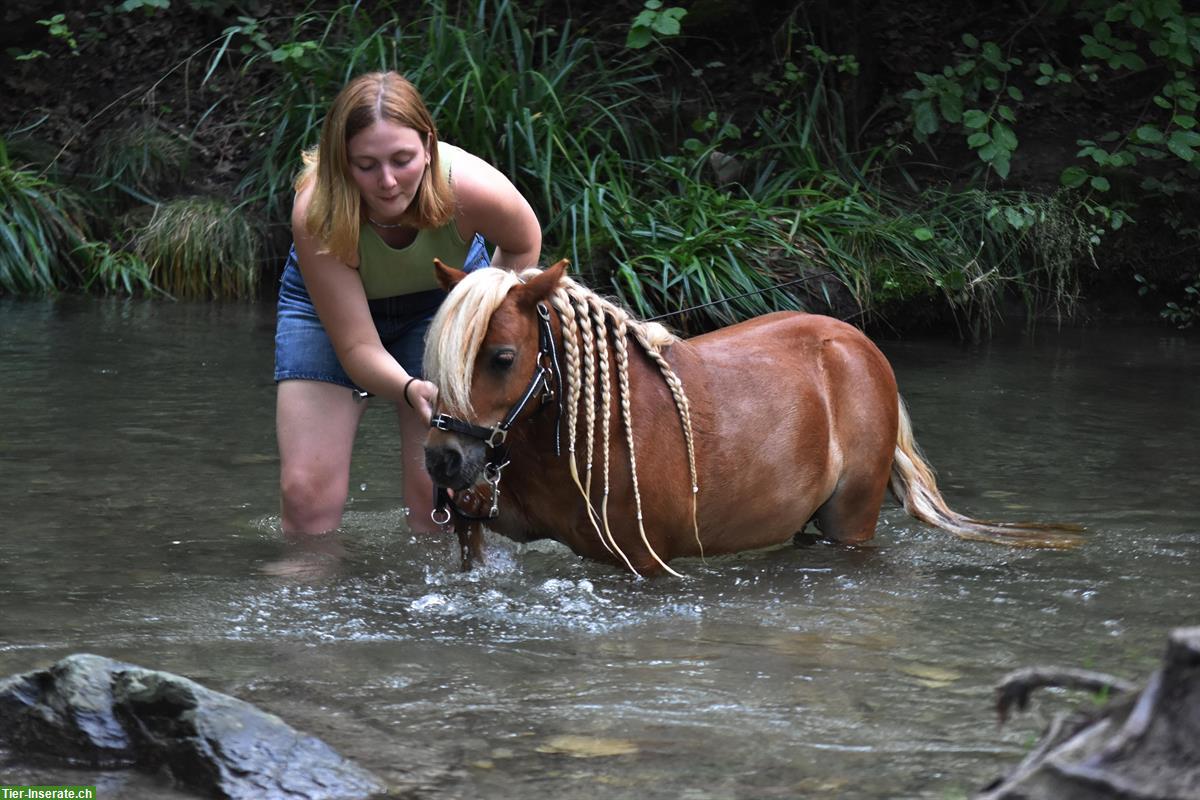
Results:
x,y
138,520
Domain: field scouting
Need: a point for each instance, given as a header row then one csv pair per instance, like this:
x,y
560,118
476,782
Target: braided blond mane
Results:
x,y
595,335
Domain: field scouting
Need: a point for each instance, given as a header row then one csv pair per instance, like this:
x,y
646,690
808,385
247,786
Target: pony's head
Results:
x,y
481,351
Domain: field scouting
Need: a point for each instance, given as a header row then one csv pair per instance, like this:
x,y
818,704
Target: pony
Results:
x,y
732,440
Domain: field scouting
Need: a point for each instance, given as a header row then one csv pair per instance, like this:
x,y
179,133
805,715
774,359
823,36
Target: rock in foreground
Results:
x,y
92,711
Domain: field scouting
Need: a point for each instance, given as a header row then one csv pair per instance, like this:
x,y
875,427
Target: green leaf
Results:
x,y
978,139
925,118
992,53
1178,145
1014,218
1001,164
1015,94
1122,158
922,234
970,41
1004,136
638,38
1131,61
1100,183
668,21
1073,177
1149,133
974,118
951,107
954,280
1184,121
1006,113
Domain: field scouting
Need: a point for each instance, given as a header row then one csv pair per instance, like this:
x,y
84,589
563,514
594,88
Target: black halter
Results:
x,y
547,379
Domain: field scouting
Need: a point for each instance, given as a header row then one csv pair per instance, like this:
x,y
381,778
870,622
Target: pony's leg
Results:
x,y
470,543
850,514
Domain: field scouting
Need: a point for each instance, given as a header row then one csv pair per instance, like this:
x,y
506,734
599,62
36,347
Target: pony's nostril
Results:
x,y
443,464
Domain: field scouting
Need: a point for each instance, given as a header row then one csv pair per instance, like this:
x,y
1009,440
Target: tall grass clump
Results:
x,y
114,271
138,162
712,254
200,248
41,231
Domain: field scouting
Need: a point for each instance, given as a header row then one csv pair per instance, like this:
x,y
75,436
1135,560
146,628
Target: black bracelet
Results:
x,y
410,383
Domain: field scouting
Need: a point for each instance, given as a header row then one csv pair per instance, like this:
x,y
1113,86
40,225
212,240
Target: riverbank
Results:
x,y
155,104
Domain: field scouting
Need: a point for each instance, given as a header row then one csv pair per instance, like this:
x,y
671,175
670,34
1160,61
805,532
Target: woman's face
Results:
x,y
387,161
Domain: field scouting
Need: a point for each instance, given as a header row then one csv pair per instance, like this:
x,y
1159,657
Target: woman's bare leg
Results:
x,y
315,423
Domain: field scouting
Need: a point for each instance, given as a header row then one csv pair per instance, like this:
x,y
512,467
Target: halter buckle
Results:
x,y
498,436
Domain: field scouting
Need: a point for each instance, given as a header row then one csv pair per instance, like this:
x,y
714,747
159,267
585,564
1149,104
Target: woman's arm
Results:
x,y
337,292
489,204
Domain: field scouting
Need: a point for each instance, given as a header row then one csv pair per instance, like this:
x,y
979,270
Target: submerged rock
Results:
x,y
1142,745
90,710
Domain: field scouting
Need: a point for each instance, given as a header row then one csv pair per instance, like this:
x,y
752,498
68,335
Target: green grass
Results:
x,y
41,231
45,245
200,248
139,162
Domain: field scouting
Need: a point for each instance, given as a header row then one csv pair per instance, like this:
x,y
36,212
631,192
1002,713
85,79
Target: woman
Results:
x,y
378,199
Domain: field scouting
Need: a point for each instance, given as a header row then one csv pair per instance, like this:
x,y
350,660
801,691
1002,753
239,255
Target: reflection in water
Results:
x,y
139,493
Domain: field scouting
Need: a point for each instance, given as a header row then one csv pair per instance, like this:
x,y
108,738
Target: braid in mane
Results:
x,y
622,353
685,417
602,360
564,305
587,337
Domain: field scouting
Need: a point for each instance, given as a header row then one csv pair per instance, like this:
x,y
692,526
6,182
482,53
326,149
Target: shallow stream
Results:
x,y
138,520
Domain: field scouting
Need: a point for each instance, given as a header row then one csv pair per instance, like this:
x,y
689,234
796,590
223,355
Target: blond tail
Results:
x,y
914,485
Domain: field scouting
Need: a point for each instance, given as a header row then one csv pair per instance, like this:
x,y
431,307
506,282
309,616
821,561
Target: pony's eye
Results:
x,y
502,360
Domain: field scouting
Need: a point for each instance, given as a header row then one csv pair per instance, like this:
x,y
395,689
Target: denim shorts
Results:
x,y
303,351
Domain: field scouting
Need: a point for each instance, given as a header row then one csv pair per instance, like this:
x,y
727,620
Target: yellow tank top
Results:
x,y
388,271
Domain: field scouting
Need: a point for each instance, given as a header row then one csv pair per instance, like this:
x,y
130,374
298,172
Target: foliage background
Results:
x,y
904,165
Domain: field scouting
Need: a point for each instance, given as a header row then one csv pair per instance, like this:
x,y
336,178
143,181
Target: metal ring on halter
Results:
x,y
498,436
433,515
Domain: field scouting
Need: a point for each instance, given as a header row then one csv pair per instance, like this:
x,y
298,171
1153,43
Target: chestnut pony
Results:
x,y
577,423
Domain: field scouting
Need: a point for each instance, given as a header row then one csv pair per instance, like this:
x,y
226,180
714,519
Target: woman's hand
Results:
x,y
420,396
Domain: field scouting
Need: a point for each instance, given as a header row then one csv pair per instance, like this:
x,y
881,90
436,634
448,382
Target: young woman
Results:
x,y
379,198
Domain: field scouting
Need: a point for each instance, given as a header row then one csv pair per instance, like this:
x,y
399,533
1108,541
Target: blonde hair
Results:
x,y
334,210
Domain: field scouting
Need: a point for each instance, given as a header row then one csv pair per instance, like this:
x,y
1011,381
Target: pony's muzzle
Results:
x,y
452,464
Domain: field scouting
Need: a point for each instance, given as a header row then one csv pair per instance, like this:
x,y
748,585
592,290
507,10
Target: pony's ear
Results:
x,y
539,288
447,277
